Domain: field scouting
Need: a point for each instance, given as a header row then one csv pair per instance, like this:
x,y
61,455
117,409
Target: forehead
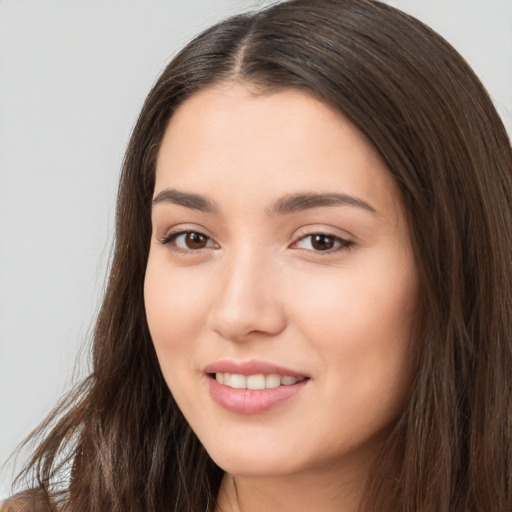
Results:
x,y
231,112
268,142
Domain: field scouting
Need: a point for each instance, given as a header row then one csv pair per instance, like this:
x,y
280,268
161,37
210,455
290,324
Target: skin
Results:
x,y
259,288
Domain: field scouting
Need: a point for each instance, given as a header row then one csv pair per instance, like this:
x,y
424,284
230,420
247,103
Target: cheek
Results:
x,y
361,320
363,335
359,306
175,311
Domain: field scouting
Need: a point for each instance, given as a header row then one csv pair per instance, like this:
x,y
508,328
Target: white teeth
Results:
x,y
287,381
238,381
272,381
254,382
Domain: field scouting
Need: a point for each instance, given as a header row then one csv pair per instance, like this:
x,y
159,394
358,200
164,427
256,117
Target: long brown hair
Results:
x,y
120,443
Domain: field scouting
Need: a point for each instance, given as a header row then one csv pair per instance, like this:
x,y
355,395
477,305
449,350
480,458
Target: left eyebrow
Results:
x,y
298,202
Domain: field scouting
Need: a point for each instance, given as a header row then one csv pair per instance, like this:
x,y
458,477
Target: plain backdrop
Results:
x,y
73,76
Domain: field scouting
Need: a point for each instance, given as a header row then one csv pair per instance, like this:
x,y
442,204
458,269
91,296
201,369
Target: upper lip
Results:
x,y
251,368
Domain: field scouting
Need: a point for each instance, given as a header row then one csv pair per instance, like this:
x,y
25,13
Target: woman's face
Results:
x,y
280,262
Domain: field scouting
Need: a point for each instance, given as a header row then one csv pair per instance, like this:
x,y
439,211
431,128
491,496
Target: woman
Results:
x,y
310,297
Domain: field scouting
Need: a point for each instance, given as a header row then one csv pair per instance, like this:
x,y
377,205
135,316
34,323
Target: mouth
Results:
x,y
253,387
257,381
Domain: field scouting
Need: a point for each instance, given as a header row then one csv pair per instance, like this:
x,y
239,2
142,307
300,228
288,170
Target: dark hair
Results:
x,y
121,438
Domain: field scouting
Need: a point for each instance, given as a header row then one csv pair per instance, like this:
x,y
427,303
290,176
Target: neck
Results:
x,y
322,491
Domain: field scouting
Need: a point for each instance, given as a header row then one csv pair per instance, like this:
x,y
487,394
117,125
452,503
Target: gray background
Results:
x,y
73,76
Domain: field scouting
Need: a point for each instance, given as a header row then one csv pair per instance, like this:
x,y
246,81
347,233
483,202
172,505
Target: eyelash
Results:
x,y
340,244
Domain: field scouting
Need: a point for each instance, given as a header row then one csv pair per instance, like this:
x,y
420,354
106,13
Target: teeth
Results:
x,y
258,381
238,381
272,381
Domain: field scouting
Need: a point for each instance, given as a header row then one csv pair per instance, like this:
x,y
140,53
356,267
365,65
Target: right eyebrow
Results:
x,y
186,199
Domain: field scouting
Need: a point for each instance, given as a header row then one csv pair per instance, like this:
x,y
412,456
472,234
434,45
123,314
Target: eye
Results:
x,y
188,241
321,242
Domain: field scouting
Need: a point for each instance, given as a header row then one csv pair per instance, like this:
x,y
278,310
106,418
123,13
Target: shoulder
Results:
x,y
27,501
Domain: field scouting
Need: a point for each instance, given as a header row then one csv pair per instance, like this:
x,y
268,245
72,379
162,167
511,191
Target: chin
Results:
x,y
260,463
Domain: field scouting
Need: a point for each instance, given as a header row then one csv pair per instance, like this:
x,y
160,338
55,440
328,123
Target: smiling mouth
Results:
x,y
255,382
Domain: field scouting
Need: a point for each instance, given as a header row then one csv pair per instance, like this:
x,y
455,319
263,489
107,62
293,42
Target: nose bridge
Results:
x,y
247,299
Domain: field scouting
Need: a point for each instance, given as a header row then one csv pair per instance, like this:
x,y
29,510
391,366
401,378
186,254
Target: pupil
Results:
x,y
196,241
322,242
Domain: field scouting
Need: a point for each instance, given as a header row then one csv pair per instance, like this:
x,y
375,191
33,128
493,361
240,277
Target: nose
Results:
x,y
248,302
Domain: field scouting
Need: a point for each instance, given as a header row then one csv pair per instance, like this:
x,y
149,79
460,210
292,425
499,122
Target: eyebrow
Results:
x,y
298,202
186,199
288,204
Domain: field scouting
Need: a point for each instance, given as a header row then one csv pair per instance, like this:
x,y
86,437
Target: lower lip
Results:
x,y
249,401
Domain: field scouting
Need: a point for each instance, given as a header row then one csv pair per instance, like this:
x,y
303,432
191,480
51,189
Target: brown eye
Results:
x,y
189,241
323,242
195,240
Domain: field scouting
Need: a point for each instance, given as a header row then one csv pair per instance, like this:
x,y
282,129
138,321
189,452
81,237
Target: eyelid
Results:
x,y
324,229
166,231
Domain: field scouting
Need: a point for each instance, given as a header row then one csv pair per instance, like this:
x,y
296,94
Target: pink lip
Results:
x,y
247,401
